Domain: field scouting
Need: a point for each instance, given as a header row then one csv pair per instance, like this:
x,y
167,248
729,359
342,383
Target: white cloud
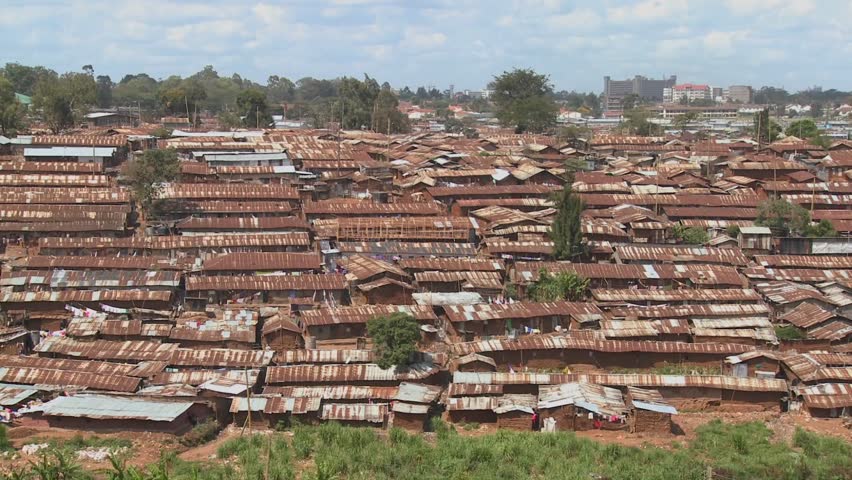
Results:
x,y
415,37
505,21
673,47
271,15
647,10
723,44
581,18
784,8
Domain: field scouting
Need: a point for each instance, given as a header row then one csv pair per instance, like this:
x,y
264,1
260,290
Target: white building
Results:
x,y
690,91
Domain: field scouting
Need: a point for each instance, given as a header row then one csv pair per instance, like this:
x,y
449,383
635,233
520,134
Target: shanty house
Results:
x,y
108,414
649,411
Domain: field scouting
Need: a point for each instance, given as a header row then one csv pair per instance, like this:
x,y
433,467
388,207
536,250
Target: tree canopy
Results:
x,y
783,217
395,338
560,286
64,100
11,111
149,172
804,129
524,100
251,104
566,231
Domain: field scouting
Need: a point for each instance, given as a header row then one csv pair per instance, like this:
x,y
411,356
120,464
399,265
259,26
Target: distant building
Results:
x,y
645,88
111,119
739,94
688,91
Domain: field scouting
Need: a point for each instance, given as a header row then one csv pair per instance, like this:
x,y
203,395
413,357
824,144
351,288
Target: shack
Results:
x,y
116,414
649,412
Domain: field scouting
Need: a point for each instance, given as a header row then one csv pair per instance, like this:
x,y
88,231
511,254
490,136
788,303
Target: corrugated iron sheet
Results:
x,y
278,283
551,342
332,374
114,408
361,314
94,381
355,412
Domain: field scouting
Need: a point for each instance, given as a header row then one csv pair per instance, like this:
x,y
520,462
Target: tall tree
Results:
x,y
766,130
182,97
280,89
251,104
386,114
561,286
782,217
150,171
804,129
523,100
11,111
566,231
139,90
63,101
104,91
395,339
25,78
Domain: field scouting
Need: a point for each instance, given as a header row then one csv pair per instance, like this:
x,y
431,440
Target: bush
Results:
x,y
201,434
789,332
5,444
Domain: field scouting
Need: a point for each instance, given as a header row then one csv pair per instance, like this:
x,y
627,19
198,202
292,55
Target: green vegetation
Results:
x,y
637,121
524,100
251,103
690,235
64,100
806,129
201,434
789,332
766,130
823,228
561,286
566,231
79,442
672,369
11,110
733,231
782,217
733,451
5,444
148,172
395,338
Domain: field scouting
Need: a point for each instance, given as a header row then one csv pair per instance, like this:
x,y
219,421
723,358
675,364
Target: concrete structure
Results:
x,y
687,91
648,89
739,94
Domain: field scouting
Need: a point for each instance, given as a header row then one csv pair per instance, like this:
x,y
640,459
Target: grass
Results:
x,y
789,332
332,451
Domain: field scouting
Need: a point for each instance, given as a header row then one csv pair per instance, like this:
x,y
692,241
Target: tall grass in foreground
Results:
x,y
331,451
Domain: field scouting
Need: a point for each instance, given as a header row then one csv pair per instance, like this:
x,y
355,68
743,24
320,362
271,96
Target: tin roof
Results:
x,y
94,381
267,261
821,262
72,296
339,206
133,351
224,191
415,249
557,342
357,412
465,264
242,223
64,195
583,312
221,357
360,267
682,254
331,374
177,242
362,314
324,356
267,282
675,311
335,392
623,380
114,408
690,295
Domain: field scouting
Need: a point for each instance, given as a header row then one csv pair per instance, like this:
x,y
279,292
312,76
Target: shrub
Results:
x,y
201,434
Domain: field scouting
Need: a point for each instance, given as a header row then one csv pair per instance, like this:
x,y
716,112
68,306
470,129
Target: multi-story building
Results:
x,y
688,91
739,94
645,88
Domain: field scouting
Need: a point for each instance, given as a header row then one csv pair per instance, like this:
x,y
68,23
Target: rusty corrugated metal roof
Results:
x,y
267,282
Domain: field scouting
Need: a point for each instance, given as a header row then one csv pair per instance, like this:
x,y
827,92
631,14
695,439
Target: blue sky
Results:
x,y
790,43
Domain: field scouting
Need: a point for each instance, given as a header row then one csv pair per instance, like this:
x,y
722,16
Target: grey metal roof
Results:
x,y
103,407
243,157
70,152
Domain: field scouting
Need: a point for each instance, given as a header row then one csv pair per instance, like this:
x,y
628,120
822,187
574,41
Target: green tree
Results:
x,y
63,101
386,113
561,286
162,132
804,129
637,121
12,112
566,231
573,132
631,101
25,78
229,119
766,130
251,103
690,235
395,339
523,99
181,97
681,121
280,89
782,217
822,229
149,172
139,90
104,91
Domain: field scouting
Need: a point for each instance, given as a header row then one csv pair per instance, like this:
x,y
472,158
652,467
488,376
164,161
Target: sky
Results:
x,y
791,43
